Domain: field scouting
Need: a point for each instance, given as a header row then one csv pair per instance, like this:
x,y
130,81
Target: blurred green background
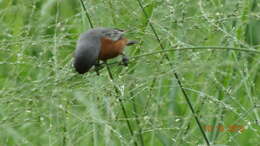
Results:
x,y
44,102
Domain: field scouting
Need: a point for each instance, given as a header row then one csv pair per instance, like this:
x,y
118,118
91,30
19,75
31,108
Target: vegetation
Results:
x,y
213,47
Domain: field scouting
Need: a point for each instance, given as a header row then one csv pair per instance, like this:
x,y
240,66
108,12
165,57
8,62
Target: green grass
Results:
x,y
43,101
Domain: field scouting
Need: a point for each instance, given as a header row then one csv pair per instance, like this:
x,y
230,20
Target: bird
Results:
x,y
99,44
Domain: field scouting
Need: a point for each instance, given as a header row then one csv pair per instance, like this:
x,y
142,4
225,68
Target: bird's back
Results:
x,y
87,51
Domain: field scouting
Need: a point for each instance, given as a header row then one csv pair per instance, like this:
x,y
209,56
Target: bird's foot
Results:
x,y
97,67
125,60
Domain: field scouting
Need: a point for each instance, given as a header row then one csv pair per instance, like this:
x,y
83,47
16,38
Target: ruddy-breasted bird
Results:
x,y
99,44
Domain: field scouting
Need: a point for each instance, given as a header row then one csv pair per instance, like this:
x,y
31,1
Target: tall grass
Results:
x,y
213,46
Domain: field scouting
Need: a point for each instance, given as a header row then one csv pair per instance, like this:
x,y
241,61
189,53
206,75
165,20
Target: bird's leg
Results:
x,y
125,59
97,67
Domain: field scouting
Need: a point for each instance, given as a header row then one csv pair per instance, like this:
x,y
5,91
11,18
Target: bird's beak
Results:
x,y
131,42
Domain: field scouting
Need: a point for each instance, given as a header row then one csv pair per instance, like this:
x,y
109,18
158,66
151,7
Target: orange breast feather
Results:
x,y
111,49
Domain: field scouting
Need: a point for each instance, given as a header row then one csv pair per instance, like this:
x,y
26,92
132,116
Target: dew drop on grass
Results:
x,y
19,55
28,111
41,118
61,106
173,139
